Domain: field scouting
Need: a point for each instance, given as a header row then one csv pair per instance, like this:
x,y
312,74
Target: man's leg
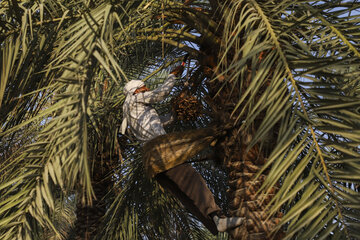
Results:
x,y
191,189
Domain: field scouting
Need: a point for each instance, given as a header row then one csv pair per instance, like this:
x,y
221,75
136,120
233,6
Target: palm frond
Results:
x,y
292,64
301,65
318,63
152,206
60,154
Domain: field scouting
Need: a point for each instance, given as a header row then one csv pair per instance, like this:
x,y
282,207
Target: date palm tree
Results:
x,y
61,95
282,75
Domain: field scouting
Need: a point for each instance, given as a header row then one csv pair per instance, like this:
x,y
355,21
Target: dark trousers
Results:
x,y
190,188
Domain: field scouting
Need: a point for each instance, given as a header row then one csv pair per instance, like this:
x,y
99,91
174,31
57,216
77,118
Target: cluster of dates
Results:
x,y
186,106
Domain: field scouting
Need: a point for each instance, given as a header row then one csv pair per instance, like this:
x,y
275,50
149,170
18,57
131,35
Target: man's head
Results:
x,y
135,86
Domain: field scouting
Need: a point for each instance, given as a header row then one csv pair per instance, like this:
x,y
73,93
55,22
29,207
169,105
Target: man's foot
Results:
x,y
224,224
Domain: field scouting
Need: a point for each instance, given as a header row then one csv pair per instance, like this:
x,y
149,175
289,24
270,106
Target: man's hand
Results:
x,y
178,70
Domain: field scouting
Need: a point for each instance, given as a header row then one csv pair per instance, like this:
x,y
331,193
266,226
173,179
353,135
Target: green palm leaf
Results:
x,y
287,70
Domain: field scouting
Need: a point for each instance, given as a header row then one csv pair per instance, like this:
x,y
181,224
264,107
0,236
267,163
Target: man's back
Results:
x,y
142,118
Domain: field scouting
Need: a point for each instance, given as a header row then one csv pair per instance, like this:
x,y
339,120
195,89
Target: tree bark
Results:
x,y
243,165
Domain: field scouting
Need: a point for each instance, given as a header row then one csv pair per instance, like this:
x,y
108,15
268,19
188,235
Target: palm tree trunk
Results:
x,y
243,165
244,201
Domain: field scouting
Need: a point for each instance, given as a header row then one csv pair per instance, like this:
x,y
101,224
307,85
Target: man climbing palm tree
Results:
x,y
181,180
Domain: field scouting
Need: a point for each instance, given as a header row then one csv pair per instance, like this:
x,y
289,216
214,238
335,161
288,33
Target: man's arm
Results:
x,y
161,92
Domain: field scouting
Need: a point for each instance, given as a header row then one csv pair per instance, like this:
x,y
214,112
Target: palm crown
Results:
x,y
283,74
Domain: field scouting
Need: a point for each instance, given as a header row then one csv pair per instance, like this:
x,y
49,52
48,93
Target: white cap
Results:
x,y
131,86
